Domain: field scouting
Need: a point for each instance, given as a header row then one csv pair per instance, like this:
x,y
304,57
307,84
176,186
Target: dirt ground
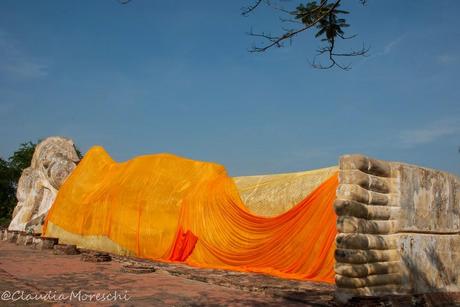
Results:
x,y
39,277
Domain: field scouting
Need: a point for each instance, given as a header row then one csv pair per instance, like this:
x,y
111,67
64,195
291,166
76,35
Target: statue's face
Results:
x,y
59,170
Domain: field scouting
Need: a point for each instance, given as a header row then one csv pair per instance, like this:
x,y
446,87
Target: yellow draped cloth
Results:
x,y
169,208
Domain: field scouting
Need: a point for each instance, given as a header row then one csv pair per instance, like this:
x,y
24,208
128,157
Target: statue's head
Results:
x,y
53,160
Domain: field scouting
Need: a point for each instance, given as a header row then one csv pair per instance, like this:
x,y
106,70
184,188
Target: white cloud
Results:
x,y
15,63
391,45
429,133
387,49
446,59
26,69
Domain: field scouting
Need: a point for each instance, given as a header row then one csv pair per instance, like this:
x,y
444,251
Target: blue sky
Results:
x,y
176,76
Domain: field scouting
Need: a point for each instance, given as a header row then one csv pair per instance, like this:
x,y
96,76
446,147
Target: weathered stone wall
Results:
x,y
399,229
53,160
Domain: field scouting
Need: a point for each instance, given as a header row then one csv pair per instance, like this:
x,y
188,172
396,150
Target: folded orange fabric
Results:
x,y
174,209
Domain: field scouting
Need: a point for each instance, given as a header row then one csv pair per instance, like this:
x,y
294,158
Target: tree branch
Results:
x,y
329,24
248,9
277,40
331,54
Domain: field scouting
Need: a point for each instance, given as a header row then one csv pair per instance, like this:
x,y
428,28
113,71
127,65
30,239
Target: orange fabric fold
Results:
x,y
174,209
183,245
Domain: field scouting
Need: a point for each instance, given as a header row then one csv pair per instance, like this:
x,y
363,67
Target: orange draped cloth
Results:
x,y
173,209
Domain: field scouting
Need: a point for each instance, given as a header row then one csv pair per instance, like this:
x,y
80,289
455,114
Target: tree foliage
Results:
x,y
324,15
10,171
21,159
7,191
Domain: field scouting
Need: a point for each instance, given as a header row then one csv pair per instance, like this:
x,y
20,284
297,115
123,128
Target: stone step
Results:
x,y
95,257
65,249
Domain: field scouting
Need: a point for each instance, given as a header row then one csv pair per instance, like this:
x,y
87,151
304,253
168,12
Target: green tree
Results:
x,y
7,192
21,159
10,171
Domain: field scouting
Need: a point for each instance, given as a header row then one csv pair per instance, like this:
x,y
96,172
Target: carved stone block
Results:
x,y
398,229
